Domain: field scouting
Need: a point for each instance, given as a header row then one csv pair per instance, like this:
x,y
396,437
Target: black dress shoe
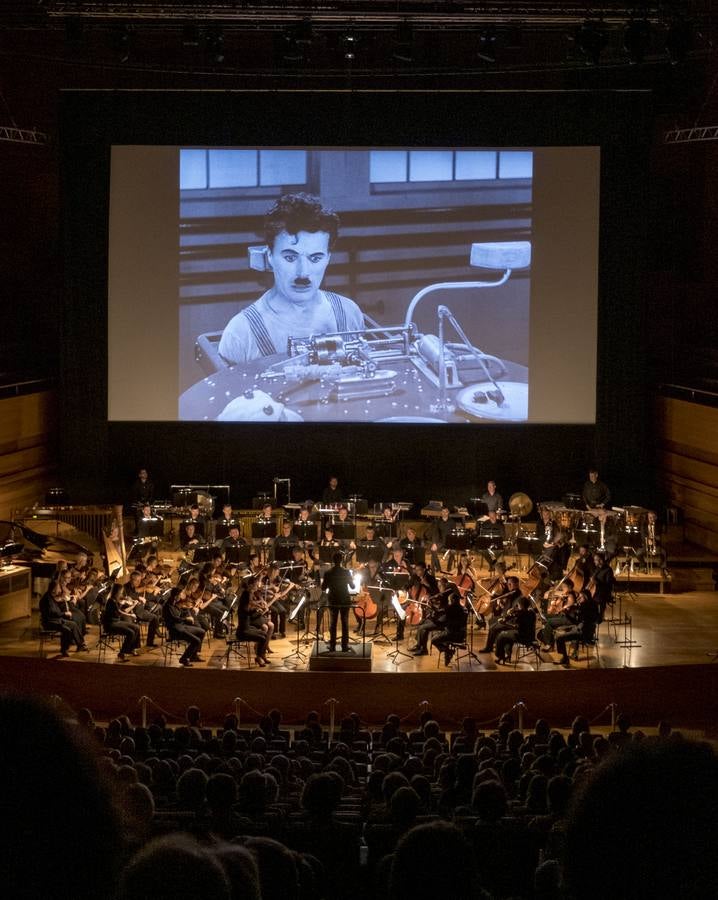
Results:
x,y
186,663
413,648
421,652
198,658
485,650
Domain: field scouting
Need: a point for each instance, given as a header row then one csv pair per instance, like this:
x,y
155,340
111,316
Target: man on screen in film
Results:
x,y
300,234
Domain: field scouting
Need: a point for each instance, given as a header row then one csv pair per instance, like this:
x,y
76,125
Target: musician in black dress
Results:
x,y
55,617
504,609
453,627
114,621
250,624
181,626
339,586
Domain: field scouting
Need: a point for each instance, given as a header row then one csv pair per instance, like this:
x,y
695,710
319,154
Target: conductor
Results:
x,y
338,584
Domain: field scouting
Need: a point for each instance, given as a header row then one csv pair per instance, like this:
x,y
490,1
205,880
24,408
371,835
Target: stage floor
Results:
x,y
668,629
669,673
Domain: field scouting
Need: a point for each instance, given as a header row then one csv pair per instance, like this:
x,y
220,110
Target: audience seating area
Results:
x,y
396,812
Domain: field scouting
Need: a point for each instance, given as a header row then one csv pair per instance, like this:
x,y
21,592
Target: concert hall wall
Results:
x,y
383,462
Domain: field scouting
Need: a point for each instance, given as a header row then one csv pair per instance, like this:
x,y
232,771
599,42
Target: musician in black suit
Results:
x,y
589,615
604,581
504,607
524,631
452,623
339,586
182,627
115,621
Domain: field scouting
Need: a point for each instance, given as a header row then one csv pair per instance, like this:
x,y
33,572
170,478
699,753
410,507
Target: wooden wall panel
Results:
x,y
27,449
688,466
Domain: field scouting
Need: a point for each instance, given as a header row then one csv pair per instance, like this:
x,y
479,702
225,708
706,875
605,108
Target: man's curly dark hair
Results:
x,y
300,212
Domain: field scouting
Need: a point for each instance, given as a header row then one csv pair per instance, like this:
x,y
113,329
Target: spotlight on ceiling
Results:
x,y
486,48
591,40
679,40
215,44
348,41
122,40
403,41
636,40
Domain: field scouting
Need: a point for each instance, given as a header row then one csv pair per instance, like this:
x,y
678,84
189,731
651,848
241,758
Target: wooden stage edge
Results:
x,y
686,695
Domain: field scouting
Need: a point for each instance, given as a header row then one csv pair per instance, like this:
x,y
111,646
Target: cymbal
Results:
x,y
520,504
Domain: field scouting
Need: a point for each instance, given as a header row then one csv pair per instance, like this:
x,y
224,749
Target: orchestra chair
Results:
x,y
457,656
234,648
44,636
526,650
171,647
590,647
108,640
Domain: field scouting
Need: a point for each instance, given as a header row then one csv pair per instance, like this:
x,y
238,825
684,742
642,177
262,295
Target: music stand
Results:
x,y
305,531
284,552
297,653
221,529
400,614
263,529
153,526
326,554
236,555
203,553
344,531
473,618
370,550
379,635
532,547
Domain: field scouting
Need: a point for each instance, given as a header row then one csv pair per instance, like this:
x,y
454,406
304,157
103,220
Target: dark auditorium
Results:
x,y
359,450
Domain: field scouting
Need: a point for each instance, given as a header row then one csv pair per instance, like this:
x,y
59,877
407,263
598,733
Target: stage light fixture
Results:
x,y
122,40
348,42
636,40
486,48
591,40
215,44
403,41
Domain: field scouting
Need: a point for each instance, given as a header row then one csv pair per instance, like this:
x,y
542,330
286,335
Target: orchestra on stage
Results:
x,y
469,569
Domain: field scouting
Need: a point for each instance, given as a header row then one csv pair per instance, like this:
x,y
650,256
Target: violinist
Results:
x,y
115,620
588,617
396,566
134,592
251,625
70,595
452,622
524,631
560,612
434,615
181,626
505,606
273,589
54,617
